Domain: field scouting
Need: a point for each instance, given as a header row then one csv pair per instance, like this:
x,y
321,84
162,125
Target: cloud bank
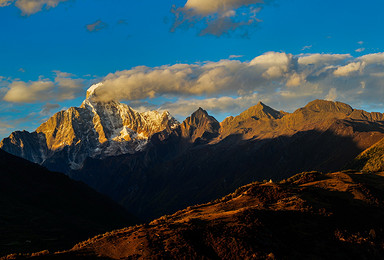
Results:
x,y
217,17
280,79
64,87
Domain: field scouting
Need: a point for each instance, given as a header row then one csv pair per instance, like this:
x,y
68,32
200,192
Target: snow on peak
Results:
x,y
91,90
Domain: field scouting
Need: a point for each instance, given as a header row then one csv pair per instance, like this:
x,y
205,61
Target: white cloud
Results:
x,y
322,59
29,92
68,87
272,59
295,80
218,16
209,79
232,85
332,95
360,50
29,7
220,105
235,56
64,87
373,58
206,7
349,69
47,108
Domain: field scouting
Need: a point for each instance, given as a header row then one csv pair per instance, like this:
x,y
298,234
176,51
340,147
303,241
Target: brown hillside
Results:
x,y
371,160
308,216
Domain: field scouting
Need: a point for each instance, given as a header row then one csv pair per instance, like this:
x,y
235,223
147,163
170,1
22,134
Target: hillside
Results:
x,y
370,160
47,210
308,216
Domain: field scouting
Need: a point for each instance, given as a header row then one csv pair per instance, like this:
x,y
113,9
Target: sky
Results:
x,y
178,55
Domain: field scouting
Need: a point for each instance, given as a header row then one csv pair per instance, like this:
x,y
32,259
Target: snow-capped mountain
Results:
x,y
96,129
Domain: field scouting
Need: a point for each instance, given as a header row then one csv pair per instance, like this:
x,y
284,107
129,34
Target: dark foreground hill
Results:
x,y
308,216
40,209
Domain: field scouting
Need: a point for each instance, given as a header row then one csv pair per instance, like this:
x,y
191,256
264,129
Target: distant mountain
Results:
x,y
308,216
201,159
96,129
47,210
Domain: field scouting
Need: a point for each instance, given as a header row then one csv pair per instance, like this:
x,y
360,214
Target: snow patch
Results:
x,y
92,89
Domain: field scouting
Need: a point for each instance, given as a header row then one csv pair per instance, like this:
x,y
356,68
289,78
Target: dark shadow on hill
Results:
x,y
364,126
46,210
309,216
173,174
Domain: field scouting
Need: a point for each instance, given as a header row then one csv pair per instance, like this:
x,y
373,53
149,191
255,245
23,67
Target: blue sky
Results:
x,y
234,53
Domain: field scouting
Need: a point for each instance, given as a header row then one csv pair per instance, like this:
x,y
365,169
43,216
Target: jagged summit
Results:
x,y
199,114
260,110
200,125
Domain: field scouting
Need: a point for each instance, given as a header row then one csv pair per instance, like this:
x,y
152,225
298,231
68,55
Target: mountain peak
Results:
x,y
260,104
91,92
260,110
320,105
199,113
200,125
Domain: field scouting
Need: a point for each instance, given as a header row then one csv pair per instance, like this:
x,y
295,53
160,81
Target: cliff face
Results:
x,y
95,129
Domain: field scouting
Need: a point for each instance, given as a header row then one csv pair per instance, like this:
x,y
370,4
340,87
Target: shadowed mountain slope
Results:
x,y
48,210
308,216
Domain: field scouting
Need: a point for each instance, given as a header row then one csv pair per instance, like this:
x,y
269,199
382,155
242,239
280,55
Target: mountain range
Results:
x,y
153,165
